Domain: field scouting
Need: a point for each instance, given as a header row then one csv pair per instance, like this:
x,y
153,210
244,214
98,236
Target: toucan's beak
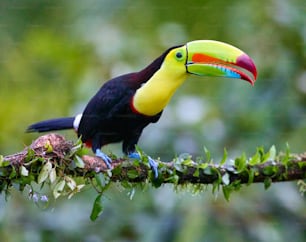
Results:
x,y
214,58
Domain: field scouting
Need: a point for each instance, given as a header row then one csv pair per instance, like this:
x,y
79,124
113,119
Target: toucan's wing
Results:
x,y
110,100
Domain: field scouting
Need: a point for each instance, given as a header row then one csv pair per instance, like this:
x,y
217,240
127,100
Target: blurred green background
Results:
x,y
54,55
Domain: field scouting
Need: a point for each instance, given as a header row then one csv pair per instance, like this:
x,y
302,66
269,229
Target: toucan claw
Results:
x,y
104,157
153,164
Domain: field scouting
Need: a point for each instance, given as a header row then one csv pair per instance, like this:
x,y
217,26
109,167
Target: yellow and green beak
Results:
x,y
214,58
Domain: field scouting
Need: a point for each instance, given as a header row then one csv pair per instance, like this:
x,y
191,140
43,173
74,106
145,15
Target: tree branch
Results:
x,y
63,157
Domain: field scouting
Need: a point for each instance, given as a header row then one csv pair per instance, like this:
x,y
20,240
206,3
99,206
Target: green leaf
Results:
x,y
102,180
52,175
59,187
139,151
24,171
207,154
179,167
3,163
136,163
30,154
185,157
226,192
196,173
208,170
109,173
255,159
286,158
132,174
79,162
70,183
216,186
270,170
13,173
126,185
222,162
173,179
240,163
272,153
188,162
48,147
213,171
251,176
77,147
261,150
226,179
301,164
267,182
131,193
97,208
302,187
44,173
203,165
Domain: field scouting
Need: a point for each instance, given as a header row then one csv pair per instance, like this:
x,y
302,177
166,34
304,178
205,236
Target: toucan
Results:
x,y
126,104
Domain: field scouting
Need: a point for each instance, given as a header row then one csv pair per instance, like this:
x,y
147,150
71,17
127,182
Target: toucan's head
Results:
x,y
212,58
201,57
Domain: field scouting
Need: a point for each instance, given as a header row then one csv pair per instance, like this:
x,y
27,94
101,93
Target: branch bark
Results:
x,y
61,153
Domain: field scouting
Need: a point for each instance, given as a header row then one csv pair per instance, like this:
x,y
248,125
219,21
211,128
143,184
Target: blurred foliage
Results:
x,y
55,55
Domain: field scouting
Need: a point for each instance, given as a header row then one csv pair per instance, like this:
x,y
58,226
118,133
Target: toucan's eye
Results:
x,y
179,55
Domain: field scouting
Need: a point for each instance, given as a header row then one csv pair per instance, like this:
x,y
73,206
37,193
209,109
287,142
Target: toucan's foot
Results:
x,y
153,164
104,157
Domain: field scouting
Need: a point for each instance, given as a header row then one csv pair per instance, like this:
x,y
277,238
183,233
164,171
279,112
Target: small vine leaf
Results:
x,y
59,187
13,173
267,182
44,173
131,193
255,159
52,175
3,163
226,179
207,154
24,171
48,147
272,153
132,174
270,170
97,208
70,183
102,180
251,176
215,187
240,163
79,187
72,193
196,173
208,170
30,154
203,165
287,154
79,162
222,162
226,192
76,190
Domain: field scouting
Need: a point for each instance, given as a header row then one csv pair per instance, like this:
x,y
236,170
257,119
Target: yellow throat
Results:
x,y
156,93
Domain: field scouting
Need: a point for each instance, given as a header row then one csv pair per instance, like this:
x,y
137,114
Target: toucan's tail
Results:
x,y
52,124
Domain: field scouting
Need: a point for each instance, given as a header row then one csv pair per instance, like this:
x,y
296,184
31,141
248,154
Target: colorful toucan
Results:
x,y
125,105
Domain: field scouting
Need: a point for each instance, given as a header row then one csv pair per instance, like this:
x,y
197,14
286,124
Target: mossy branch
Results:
x,y
52,159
